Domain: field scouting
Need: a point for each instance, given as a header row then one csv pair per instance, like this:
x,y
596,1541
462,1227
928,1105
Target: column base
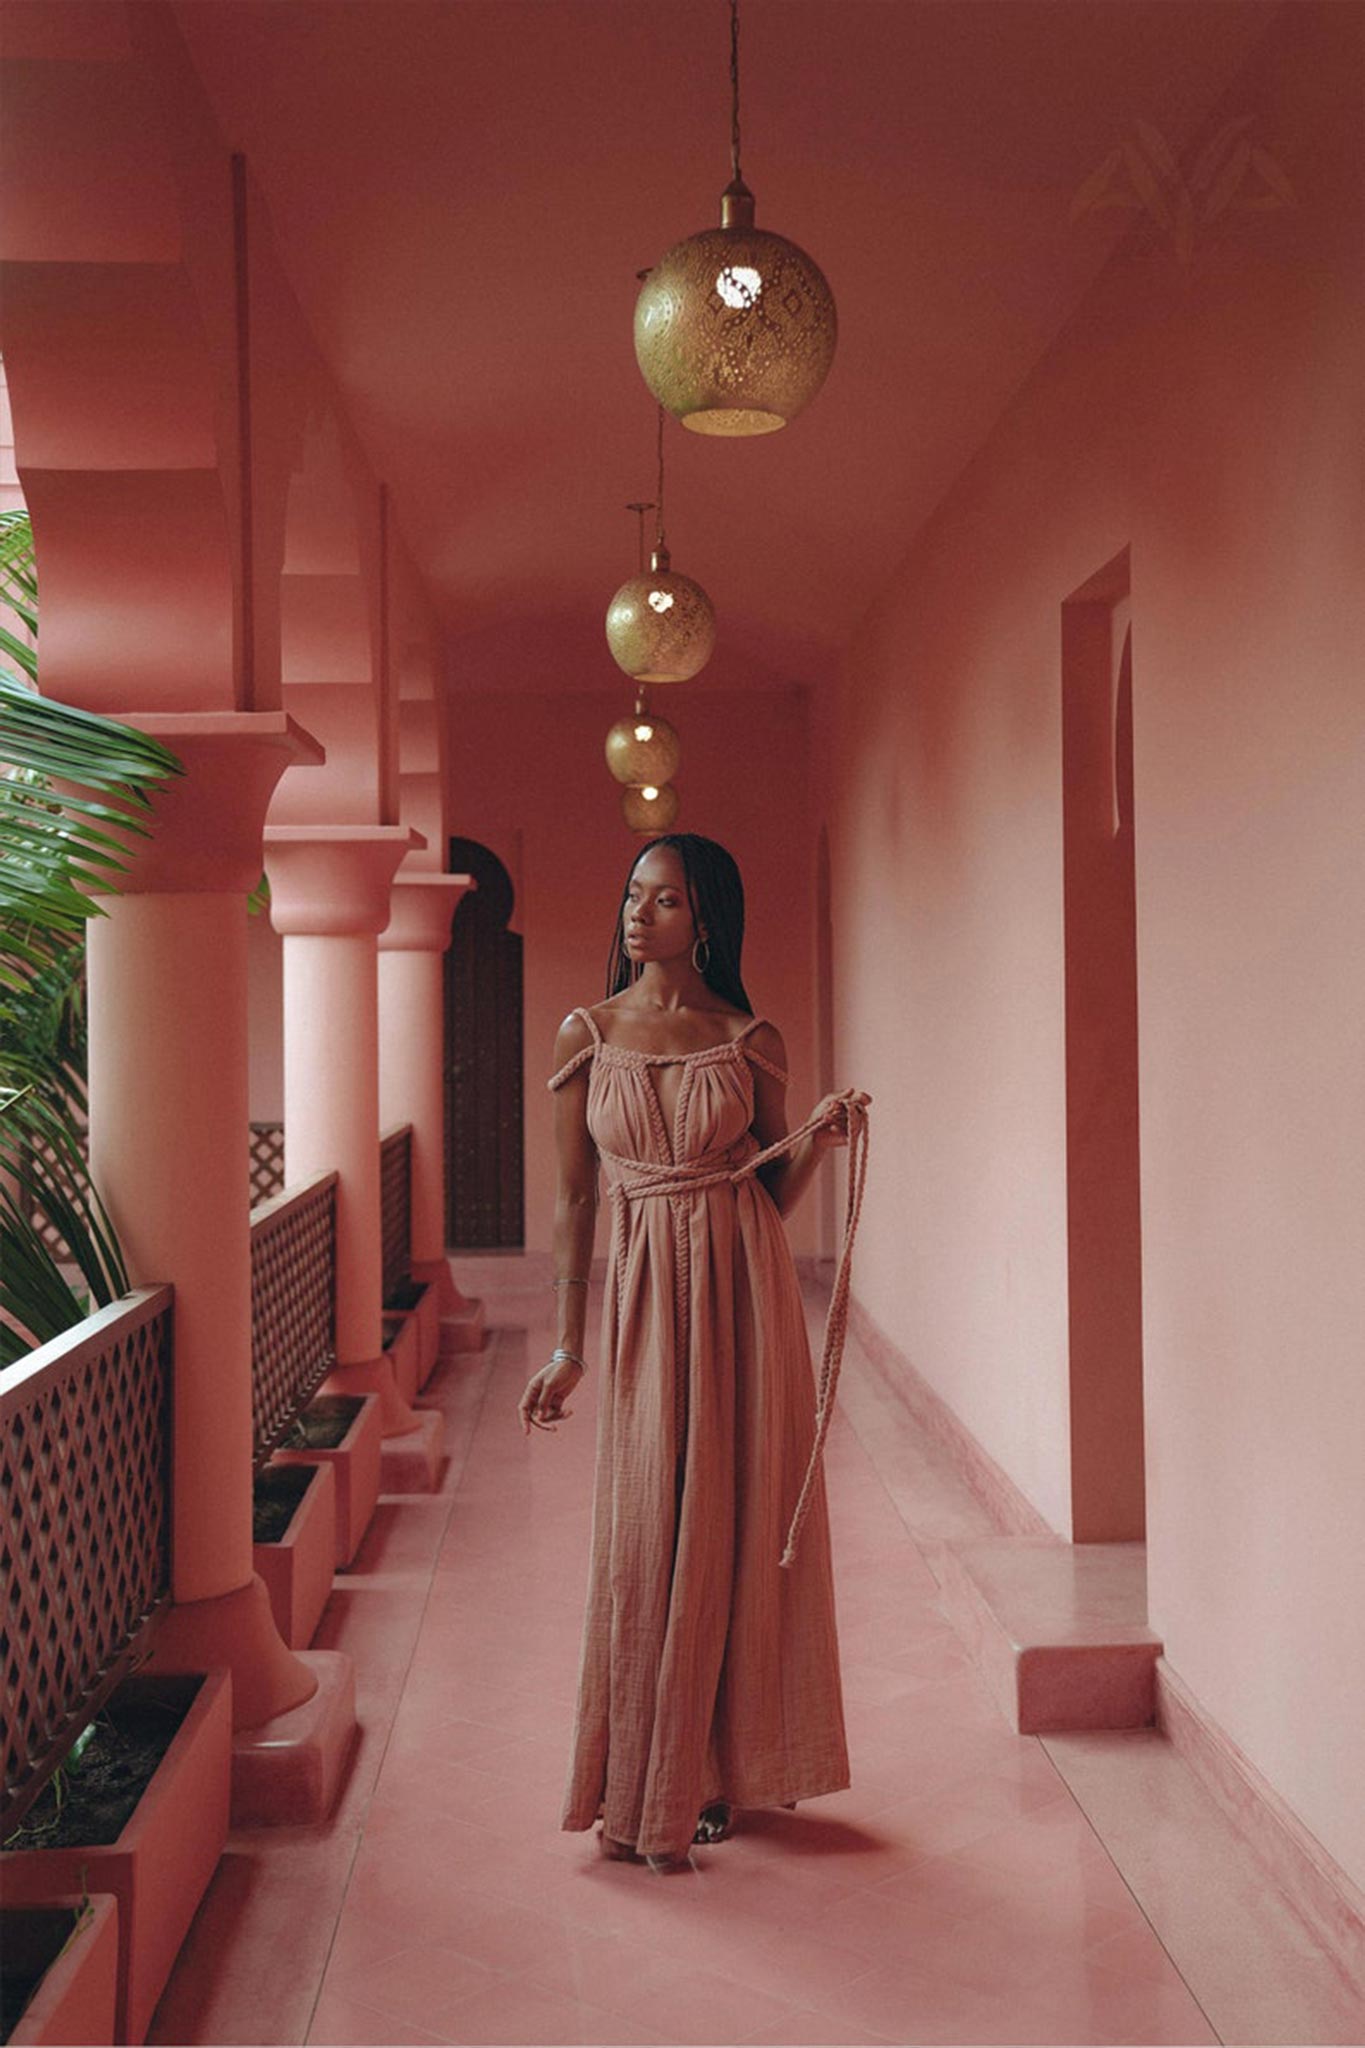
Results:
x,y
437,1273
411,1463
463,1331
374,1376
236,1630
288,1771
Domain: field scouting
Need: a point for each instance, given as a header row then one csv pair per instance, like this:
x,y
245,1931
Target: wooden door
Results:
x,y
485,1175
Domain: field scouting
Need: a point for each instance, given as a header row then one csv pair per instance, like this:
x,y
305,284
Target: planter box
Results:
x,y
418,1303
298,1567
74,2001
354,1462
160,1865
401,1350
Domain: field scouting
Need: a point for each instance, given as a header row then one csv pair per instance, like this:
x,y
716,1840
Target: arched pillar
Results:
x,y
411,1077
330,898
168,1119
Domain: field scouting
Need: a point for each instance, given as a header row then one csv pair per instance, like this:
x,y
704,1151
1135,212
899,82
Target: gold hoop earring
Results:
x,y
701,965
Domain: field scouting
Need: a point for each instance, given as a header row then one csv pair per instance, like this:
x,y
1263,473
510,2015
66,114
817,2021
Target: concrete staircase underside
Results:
x,y
1059,1629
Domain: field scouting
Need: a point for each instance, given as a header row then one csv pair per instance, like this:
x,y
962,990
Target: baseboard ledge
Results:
x,y
1330,1904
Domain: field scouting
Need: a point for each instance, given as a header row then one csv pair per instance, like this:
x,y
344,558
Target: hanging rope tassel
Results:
x,y
836,1325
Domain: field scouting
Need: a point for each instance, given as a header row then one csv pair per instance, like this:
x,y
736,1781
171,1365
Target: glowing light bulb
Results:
x,y
644,732
739,286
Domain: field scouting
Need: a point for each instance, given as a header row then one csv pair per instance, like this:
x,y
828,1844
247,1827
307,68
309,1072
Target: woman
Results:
x,y
710,1674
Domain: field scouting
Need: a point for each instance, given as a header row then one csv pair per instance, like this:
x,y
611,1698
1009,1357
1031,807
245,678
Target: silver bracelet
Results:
x,y
570,1280
563,1351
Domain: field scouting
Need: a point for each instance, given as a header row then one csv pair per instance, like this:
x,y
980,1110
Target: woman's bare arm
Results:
x,y
576,1193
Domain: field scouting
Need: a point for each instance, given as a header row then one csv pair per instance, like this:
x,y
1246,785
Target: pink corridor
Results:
x,y
973,1886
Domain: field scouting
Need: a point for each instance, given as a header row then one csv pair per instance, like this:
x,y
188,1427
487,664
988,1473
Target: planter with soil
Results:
x,y
345,1432
143,1816
293,1528
419,1305
59,1972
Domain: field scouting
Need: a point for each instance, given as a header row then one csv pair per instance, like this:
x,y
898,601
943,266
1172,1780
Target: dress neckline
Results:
x,y
636,1055
667,1059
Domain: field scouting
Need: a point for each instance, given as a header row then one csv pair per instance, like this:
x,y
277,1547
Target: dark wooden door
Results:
x,y
485,1176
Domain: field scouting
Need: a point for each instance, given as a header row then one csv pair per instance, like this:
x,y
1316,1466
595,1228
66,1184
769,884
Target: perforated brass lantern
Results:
x,y
735,328
643,749
661,627
652,809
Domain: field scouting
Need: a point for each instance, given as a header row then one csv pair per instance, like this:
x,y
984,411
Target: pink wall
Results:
x,y
1208,416
540,796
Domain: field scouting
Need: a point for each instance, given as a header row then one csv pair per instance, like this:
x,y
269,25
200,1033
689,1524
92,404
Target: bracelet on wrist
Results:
x,y
563,1351
570,1280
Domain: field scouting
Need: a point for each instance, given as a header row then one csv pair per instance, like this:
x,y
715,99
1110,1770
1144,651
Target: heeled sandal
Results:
x,y
714,1822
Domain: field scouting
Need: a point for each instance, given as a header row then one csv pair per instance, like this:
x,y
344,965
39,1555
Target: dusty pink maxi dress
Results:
x,y
708,1671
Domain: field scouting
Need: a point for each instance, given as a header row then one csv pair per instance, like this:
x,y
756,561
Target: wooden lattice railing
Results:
x,y
395,1195
267,1161
84,1527
293,1304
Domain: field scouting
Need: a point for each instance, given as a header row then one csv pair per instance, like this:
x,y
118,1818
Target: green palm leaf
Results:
x,y
74,800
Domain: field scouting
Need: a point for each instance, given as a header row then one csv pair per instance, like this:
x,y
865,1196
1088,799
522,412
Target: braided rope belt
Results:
x,y
639,1182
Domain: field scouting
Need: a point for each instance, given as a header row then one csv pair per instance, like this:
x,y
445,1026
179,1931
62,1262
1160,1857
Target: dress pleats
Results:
x,y
708,1672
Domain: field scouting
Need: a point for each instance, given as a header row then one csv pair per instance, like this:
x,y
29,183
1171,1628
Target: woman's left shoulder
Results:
x,y
767,1041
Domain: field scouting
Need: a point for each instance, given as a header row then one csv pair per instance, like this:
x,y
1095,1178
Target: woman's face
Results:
x,y
658,916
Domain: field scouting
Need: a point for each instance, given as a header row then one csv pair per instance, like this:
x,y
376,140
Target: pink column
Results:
x,y
168,1149
329,897
412,1056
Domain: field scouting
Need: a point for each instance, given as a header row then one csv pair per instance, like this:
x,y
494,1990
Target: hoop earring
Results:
x,y
701,965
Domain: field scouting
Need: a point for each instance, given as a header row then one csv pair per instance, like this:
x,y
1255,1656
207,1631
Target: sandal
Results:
x,y
713,1822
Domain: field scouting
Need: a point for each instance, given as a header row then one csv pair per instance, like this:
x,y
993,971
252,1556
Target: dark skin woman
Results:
x,y
679,1019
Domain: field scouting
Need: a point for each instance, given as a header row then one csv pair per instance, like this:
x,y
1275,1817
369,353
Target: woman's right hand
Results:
x,y
542,1405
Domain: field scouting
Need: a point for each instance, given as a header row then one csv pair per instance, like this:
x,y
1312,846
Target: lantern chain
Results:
x,y
734,92
659,500
639,506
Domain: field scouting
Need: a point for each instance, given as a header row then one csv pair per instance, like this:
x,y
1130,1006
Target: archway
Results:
x,y
485,1171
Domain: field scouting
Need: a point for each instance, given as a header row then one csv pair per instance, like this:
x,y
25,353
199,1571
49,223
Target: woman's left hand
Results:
x,y
834,1114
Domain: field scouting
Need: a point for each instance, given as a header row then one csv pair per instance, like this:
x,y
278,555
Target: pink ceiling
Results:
x,y
463,191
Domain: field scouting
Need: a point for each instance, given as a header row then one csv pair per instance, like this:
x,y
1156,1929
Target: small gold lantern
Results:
x,y
651,809
661,627
643,749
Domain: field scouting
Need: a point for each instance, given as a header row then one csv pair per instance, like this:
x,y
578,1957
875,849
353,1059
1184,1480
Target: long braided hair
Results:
x,y
716,893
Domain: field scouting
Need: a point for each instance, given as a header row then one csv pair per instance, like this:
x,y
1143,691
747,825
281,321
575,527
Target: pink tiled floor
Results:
x,y
957,1893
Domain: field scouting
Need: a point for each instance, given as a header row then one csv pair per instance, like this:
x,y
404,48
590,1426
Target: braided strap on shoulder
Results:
x,y
570,1067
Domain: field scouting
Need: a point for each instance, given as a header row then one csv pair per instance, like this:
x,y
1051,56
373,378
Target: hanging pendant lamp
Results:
x,y
643,749
652,809
660,626
735,327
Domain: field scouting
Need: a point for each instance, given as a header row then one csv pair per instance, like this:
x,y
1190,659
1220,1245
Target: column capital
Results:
x,y
333,881
207,823
424,907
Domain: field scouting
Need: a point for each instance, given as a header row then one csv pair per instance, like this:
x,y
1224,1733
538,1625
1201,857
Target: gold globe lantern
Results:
x,y
643,749
735,328
652,809
661,627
